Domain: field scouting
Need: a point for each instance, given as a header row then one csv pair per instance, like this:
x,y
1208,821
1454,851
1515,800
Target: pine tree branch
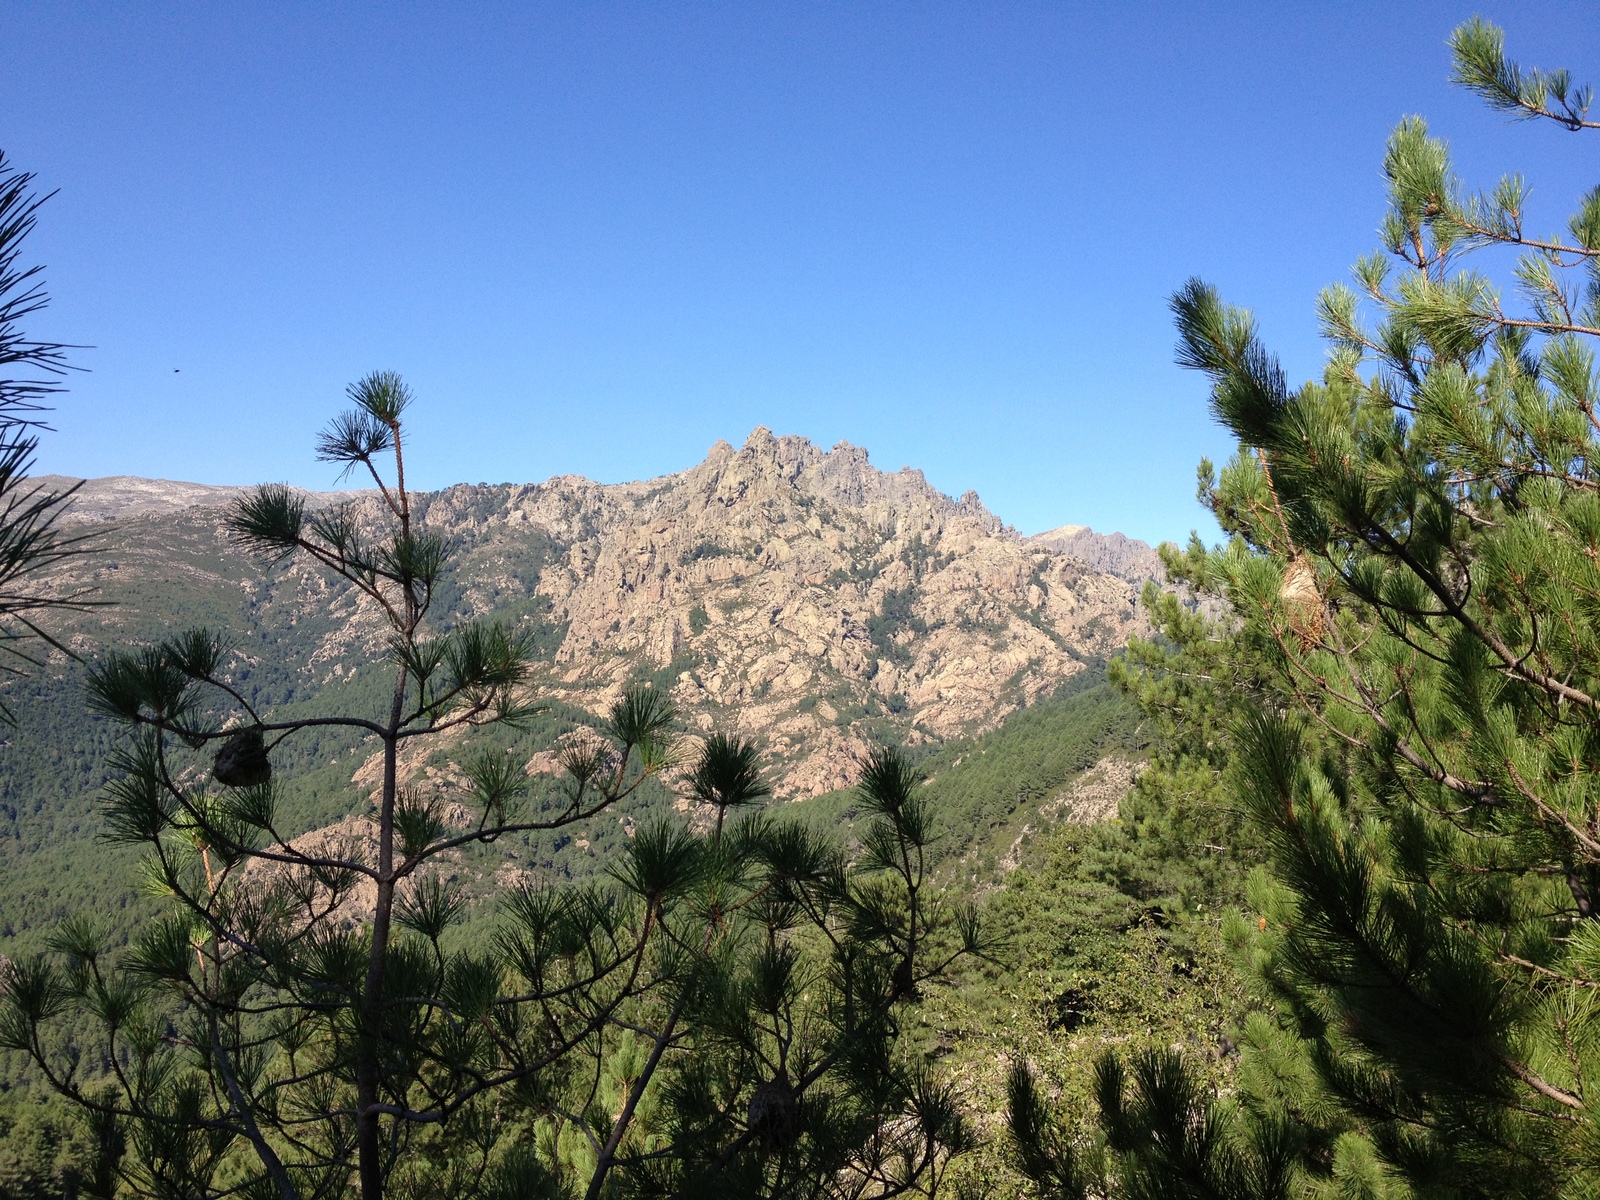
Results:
x,y
1512,663
1545,1089
1529,965
1583,838
1549,327
635,1094
241,1106
1501,238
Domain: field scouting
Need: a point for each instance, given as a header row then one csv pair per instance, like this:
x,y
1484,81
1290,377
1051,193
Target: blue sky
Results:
x,y
596,238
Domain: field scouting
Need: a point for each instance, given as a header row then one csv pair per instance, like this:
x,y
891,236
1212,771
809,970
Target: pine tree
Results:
x,y
31,539
716,1017
1413,569
1181,842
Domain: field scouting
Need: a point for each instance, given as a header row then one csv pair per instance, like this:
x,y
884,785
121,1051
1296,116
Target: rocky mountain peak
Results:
x,y
806,597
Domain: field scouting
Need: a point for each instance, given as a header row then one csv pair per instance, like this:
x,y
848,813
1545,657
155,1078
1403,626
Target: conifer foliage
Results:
x,y
1413,573
306,1020
31,539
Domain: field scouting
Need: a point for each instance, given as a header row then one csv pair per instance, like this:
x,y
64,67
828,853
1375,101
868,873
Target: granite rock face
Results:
x,y
795,594
1112,553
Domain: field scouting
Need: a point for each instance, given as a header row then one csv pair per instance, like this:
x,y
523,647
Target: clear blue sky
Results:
x,y
596,238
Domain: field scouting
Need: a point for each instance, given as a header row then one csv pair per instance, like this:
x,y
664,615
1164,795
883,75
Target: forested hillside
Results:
x,y
1104,935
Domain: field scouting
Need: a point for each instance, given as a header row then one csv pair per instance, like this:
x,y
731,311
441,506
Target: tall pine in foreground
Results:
x,y
306,1020
31,538
1413,572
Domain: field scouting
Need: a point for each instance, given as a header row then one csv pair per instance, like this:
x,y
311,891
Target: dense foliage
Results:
x,y
1081,956
1413,573
31,539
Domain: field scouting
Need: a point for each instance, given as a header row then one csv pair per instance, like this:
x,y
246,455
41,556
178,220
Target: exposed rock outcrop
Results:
x,y
1109,552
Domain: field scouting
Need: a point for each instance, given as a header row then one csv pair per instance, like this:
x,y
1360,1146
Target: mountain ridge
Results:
x,y
799,595
113,497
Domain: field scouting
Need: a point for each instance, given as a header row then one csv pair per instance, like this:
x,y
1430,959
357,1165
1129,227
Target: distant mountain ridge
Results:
x,y
117,497
798,594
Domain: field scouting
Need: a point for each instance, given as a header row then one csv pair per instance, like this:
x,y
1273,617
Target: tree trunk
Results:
x,y
369,1139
